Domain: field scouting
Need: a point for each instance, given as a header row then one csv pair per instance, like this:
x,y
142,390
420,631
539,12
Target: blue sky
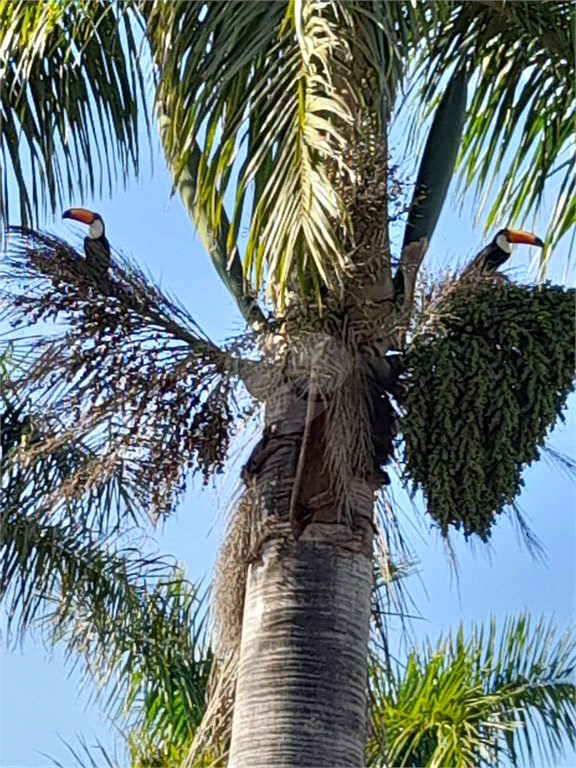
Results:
x,y
41,704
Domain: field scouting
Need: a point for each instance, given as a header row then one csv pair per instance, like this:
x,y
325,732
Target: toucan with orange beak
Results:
x,y
96,247
500,249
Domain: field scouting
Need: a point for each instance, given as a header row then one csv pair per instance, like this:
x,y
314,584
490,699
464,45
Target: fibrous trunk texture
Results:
x,y
301,695
301,691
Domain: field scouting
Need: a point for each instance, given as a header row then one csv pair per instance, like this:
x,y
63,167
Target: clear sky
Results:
x,y
41,704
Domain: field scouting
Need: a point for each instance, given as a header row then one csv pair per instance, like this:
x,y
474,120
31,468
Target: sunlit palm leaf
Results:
x,y
72,98
152,663
271,64
522,55
480,700
48,563
280,83
239,77
228,266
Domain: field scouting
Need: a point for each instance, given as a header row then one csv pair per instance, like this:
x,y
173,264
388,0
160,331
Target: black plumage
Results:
x,y
491,257
97,252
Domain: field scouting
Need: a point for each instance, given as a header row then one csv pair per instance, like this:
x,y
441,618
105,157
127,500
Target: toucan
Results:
x,y
96,247
499,250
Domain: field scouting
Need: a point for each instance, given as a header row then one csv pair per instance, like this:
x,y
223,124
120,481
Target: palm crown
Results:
x,y
274,106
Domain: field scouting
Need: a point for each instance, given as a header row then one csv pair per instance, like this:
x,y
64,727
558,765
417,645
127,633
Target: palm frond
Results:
x,y
267,94
560,460
50,562
43,475
478,701
88,756
136,623
229,267
72,97
385,36
532,674
156,674
519,55
259,75
129,375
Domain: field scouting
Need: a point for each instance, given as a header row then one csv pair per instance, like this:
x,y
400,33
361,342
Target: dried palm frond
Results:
x,y
230,573
130,374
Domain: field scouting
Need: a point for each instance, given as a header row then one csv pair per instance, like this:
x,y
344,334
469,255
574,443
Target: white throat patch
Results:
x,y
96,229
503,243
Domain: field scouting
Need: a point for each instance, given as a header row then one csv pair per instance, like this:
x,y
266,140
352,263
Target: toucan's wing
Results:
x,y
480,262
97,255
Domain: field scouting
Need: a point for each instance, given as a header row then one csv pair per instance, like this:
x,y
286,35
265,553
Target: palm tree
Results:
x,y
458,702
481,700
485,699
286,106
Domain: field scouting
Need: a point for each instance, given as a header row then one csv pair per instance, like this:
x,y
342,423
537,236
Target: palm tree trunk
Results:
x,y
301,696
302,682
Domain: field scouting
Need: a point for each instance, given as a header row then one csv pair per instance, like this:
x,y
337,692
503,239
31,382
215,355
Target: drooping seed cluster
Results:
x,y
489,373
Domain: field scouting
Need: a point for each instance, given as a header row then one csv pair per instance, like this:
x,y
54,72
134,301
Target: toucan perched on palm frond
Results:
x,y
499,250
96,247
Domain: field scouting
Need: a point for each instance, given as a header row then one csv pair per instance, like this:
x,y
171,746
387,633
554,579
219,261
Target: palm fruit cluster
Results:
x,y
489,370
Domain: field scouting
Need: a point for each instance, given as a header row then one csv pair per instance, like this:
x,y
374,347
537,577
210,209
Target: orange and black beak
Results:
x,y
519,236
79,214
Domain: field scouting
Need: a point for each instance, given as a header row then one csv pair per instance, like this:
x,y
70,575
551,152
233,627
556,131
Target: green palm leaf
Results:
x,y
72,101
65,567
473,702
267,94
522,62
135,621
273,91
229,267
